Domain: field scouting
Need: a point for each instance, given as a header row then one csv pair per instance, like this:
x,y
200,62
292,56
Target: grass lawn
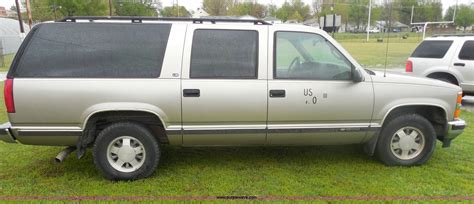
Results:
x,y
7,60
372,54
260,171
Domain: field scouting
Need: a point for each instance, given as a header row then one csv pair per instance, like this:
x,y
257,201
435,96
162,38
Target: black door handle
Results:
x,y
277,93
459,64
191,92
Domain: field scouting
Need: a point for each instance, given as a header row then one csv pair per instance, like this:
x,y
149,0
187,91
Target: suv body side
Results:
x,y
447,66
198,111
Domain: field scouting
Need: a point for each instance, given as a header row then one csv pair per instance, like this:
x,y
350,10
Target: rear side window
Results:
x,y
432,49
224,54
95,50
467,51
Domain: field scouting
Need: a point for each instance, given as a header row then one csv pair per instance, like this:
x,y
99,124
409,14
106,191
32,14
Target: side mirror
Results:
x,y
357,76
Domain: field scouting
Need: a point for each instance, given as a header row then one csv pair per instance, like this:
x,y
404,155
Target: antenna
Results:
x,y
388,38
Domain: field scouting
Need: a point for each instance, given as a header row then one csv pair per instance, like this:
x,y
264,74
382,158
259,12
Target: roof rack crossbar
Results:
x,y
139,19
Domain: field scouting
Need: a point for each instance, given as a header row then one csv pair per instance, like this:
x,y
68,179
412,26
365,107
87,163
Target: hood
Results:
x,y
378,77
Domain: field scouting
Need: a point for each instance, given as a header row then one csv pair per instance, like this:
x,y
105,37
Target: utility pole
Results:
x,y
177,4
20,20
333,9
110,7
28,12
368,21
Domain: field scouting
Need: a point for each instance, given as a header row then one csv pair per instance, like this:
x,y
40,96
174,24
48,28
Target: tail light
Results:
x,y
8,96
457,112
409,66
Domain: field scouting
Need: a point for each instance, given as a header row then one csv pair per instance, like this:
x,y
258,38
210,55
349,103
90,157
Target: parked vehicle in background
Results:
x,y
448,58
374,30
123,86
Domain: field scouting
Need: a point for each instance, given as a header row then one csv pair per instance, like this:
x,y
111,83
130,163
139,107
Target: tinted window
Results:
x,y
224,54
432,49
309,56
96,50
467,51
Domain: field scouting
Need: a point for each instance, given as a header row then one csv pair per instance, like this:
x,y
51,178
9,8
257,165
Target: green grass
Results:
x,y
7,60
261,171
372,54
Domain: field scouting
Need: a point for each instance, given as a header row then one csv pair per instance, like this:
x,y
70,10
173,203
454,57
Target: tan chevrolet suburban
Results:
x,y
124,86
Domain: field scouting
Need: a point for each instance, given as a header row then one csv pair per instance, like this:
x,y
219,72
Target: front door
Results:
x,y
312,97
464,65
224,85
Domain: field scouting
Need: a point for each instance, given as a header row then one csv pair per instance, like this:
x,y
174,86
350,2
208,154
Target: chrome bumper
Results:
x,y
455,128
5,134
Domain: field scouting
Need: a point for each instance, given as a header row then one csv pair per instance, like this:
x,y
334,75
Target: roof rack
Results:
x,y
453,35
139,19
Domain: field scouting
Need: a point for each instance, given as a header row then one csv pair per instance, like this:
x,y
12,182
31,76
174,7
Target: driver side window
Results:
x,y
308,56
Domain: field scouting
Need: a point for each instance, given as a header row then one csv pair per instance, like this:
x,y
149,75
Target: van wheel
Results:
x,y
126,151
407,140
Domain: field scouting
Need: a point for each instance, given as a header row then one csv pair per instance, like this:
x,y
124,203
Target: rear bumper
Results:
x,y
455,128
5,133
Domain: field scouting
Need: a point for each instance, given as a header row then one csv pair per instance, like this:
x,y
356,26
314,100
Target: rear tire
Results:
x,y
126,151
407,140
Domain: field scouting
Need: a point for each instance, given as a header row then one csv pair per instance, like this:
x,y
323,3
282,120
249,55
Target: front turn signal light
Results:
x,y
457,112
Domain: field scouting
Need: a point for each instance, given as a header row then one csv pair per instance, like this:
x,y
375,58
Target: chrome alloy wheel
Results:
x,y
407,143
126,154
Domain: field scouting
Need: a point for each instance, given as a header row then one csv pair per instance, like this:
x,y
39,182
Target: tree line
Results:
x,y
353,12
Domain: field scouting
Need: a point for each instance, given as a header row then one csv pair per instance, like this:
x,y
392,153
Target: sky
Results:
x,y
194,4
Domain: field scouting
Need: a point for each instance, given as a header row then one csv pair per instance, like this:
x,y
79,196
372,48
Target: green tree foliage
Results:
x,y
301,8
41,10
449,13
216,7
405,10
428,12
247,8
464,17
358,12
296,10
284,12
81,7
175,11
271,10
134,8
296,16
389,13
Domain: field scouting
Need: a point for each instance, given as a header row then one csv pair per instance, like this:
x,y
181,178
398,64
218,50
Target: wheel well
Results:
x,y
438,75
98,121
434,114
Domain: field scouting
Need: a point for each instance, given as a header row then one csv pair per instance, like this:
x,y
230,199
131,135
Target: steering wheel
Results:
x,y
293,63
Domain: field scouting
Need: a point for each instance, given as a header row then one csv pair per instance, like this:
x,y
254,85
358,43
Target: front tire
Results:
x,y
407,140
126,151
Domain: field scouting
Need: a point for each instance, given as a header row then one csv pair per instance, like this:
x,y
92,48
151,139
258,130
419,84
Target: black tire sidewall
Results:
x,y
384,151
135,130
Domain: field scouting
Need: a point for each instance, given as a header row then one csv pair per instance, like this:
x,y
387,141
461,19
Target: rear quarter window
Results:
x,y
467,51
432,49
95,50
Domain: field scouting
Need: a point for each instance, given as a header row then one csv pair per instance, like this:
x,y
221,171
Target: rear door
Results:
x,y
463,64
224,85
